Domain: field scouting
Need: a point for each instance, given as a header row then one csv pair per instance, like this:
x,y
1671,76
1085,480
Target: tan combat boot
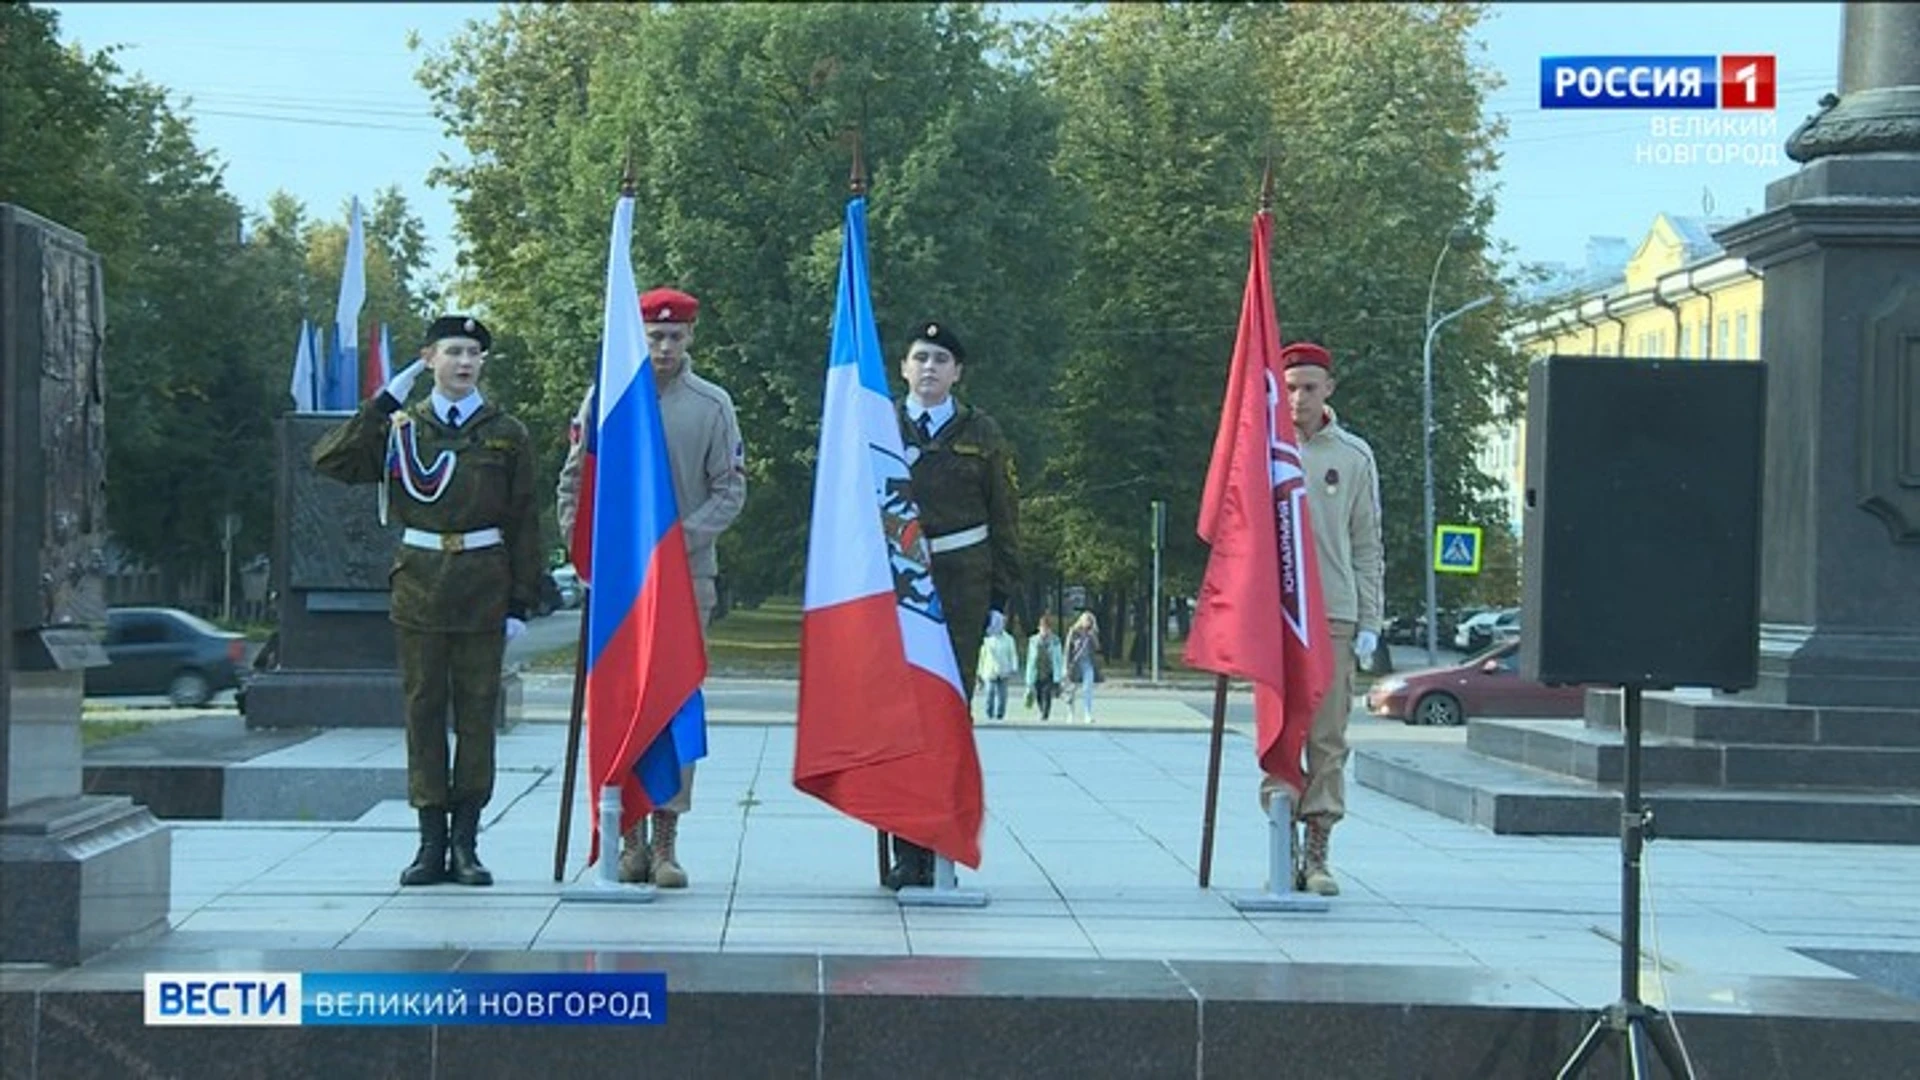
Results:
x,y
666,869
635,866
1317,878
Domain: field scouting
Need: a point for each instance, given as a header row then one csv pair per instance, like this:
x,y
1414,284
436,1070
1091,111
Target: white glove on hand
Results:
x,y
1364,643
515,628
401,385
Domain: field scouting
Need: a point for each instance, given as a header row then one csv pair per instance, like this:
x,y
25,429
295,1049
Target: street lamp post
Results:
x,y
1426,427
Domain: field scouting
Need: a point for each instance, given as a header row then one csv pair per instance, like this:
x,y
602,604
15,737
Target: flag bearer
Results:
x,y
963,481
708,460
1343,498
457,472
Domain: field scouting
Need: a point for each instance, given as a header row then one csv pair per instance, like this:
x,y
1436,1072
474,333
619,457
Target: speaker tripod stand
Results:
x,y
1635,1022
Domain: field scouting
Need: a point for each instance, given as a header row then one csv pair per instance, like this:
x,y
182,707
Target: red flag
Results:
x,y
1260,615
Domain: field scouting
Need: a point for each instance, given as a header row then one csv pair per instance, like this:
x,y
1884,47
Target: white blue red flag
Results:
x,y
343,376
646,656
305,397
884,735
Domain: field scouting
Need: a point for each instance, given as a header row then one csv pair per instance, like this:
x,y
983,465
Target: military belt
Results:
x,y
954,541
466,541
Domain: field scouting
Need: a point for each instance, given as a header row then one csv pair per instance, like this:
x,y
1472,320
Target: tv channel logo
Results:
x,y
223,999
1728,81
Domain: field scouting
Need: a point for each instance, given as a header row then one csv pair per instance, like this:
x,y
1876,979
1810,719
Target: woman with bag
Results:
x,y
1045,663
1083,665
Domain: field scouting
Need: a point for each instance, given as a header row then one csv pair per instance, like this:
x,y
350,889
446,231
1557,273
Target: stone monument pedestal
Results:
x,y
338,665
81,873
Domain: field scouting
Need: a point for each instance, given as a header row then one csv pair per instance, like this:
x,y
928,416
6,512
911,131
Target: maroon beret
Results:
x,y
1305,352
668,305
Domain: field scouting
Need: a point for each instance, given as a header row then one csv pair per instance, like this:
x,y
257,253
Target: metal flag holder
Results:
x,y
605,886
945,892
1634,1021
1280,894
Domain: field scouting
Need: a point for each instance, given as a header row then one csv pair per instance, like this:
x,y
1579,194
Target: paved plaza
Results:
x,y
1090,852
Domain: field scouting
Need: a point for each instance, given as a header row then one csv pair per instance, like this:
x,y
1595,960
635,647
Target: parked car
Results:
x,y
1486,628
1489,684
167,651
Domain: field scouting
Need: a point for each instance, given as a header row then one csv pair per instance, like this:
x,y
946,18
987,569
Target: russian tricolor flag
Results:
x,y
883,734
646,657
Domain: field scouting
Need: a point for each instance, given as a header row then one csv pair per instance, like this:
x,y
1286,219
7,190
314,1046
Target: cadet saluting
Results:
x,y
458,474
962,470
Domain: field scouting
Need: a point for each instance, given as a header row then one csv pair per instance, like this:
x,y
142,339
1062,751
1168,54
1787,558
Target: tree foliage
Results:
x,y
201,320
1074,196
738,120
1372,115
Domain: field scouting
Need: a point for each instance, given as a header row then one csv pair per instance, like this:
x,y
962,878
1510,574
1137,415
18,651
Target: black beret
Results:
x,y
465,326
939,333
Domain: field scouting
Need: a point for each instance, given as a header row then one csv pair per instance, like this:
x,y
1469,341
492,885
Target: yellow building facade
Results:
x,y
1679,297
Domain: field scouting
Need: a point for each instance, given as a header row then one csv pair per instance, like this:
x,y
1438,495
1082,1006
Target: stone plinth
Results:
x,y
78,874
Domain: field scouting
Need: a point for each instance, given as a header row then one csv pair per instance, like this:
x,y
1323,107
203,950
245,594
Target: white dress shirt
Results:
x,y
468,405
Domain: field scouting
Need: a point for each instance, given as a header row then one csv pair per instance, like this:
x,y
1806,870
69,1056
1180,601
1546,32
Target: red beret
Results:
x,y
668,305
1305,352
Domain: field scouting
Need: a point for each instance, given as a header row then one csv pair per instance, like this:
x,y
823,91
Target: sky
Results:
x,y
321,100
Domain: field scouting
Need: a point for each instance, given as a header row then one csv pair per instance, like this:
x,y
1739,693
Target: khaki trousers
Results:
x,y
1327,741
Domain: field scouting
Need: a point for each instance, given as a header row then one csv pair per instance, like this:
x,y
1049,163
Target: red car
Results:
x,y
1490,684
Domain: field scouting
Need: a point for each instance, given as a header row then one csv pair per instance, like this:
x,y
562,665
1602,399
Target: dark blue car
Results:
x,y
166,651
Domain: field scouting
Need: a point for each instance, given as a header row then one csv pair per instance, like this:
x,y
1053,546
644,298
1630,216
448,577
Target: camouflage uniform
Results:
x,y
963,479
449,607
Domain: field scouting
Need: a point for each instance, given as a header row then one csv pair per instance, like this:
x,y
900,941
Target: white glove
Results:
x,y
515,628
1364,643
401,385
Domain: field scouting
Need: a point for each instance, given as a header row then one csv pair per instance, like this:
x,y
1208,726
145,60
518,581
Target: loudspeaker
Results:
x,y
1641,523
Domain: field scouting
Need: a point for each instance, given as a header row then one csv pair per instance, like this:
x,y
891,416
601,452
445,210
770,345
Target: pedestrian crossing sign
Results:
x,y
1456,549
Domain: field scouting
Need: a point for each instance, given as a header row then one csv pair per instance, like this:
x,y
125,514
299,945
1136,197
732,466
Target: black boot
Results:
x,y
465,865
430,862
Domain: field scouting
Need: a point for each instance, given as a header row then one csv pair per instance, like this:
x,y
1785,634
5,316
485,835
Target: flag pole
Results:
x,y
856,187
606,885
1213,779
575,719
1220,681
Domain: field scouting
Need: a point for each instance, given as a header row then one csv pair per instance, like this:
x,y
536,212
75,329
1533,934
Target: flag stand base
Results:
x,y
1280,895
945,892
605,887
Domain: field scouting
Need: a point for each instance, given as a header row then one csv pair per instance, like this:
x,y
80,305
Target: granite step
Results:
x,y
1598,755
1737,720
1513,799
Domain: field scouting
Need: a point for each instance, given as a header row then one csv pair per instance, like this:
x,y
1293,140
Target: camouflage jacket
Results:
x,y
492,486
963,477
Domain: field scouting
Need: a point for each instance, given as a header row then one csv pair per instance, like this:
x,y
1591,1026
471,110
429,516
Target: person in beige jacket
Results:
x,y
1343,498
707,458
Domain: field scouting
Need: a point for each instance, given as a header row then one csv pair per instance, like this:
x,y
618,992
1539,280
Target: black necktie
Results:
x,y
453,416
925,424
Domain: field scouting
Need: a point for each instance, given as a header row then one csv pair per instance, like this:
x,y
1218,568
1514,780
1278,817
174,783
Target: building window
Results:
x,y
1702,342
1659,343
1686,340
1740,337
1720,339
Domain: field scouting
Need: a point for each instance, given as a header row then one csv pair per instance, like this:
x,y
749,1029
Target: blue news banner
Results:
x,y
331,998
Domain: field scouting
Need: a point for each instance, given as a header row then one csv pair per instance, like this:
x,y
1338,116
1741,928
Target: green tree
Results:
x,y
737,119
1374,116
201,319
